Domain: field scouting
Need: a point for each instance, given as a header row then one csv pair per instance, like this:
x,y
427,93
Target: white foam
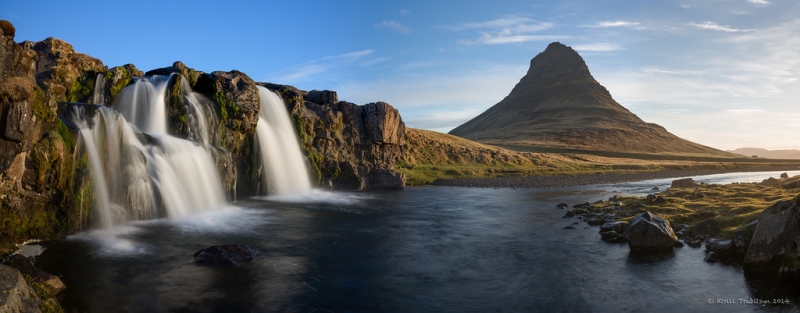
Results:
x,y
317,196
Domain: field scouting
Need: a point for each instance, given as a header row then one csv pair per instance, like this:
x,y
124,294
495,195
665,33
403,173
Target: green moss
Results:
x,y
177,111
49,303
40,108
126,79
226,106
82,88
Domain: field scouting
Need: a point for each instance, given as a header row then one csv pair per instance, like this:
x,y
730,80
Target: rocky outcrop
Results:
x,y
24,265
649,232
775,246
36,197
684,183
15,294
349,146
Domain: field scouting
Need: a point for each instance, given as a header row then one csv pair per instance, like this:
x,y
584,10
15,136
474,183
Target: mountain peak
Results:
x,y
559,104
557,61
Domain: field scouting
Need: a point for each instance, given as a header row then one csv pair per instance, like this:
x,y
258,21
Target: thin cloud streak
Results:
x,y
716,27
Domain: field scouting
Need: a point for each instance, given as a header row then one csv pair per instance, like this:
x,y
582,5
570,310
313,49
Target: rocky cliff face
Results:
x,y
38,197
349,146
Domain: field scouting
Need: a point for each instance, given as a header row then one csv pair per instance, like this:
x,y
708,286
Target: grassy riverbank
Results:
x,y
733,205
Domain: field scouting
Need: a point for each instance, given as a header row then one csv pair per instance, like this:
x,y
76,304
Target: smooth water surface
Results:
x,y
422,249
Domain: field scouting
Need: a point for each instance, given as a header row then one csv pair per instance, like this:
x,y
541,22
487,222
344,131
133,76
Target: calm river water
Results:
x,y
422,249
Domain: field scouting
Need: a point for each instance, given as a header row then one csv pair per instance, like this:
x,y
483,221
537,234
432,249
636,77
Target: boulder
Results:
x,y
25,266
595,220
724,248
773,248
15,294
562,205
237,255
712,257
708,228
612,236
649,232
619,227
784,175
684,183
694,241
660,200
772,181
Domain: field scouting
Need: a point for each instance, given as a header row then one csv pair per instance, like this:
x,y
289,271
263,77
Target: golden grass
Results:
x,y
733,205
431,155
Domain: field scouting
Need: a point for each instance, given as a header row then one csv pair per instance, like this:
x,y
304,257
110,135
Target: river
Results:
x,y
422,249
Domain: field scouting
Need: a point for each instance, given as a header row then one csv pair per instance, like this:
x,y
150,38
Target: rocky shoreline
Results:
x,y
553,181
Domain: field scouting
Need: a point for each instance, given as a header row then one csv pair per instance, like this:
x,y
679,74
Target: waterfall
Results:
x,y
284,168
138,170
143,104
99,95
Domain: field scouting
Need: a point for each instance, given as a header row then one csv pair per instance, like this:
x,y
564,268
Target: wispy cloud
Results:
x,y
612,24
405,12
721,28
744,111
758,1
374,61
598,47
509,29
317,66
395,26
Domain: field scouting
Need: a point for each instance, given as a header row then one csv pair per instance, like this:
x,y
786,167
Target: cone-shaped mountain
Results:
x,y
559,104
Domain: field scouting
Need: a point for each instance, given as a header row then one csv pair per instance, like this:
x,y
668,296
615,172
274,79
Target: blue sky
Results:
x,y
723,73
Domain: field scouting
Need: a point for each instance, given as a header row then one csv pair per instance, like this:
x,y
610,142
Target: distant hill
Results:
x,y
559,104
769,154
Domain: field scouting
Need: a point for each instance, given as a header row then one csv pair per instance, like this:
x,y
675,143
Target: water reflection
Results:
x,y
426,249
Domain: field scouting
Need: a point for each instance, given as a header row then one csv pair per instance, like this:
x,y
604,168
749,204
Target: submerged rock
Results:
x,y
237,255
649,232
619,227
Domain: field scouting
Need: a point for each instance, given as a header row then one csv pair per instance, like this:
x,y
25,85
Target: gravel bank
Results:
x,y
586,179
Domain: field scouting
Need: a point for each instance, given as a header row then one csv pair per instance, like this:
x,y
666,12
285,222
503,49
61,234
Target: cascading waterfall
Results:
x,y
138,170
99,95
143,104
284,168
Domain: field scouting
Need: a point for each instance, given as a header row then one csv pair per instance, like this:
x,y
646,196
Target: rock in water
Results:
x,y
237,255
684,183
25,266
649,232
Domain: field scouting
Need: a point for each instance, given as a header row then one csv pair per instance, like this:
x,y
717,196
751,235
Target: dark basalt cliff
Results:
x,y
349,146
559,103
46,192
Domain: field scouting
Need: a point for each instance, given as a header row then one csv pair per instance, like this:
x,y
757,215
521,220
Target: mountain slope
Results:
x,y
558,103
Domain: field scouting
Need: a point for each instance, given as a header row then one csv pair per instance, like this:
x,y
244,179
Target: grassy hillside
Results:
x,y
430,155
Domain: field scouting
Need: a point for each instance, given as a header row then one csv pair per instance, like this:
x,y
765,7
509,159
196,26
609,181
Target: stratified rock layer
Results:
x,y
349,146
558,103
